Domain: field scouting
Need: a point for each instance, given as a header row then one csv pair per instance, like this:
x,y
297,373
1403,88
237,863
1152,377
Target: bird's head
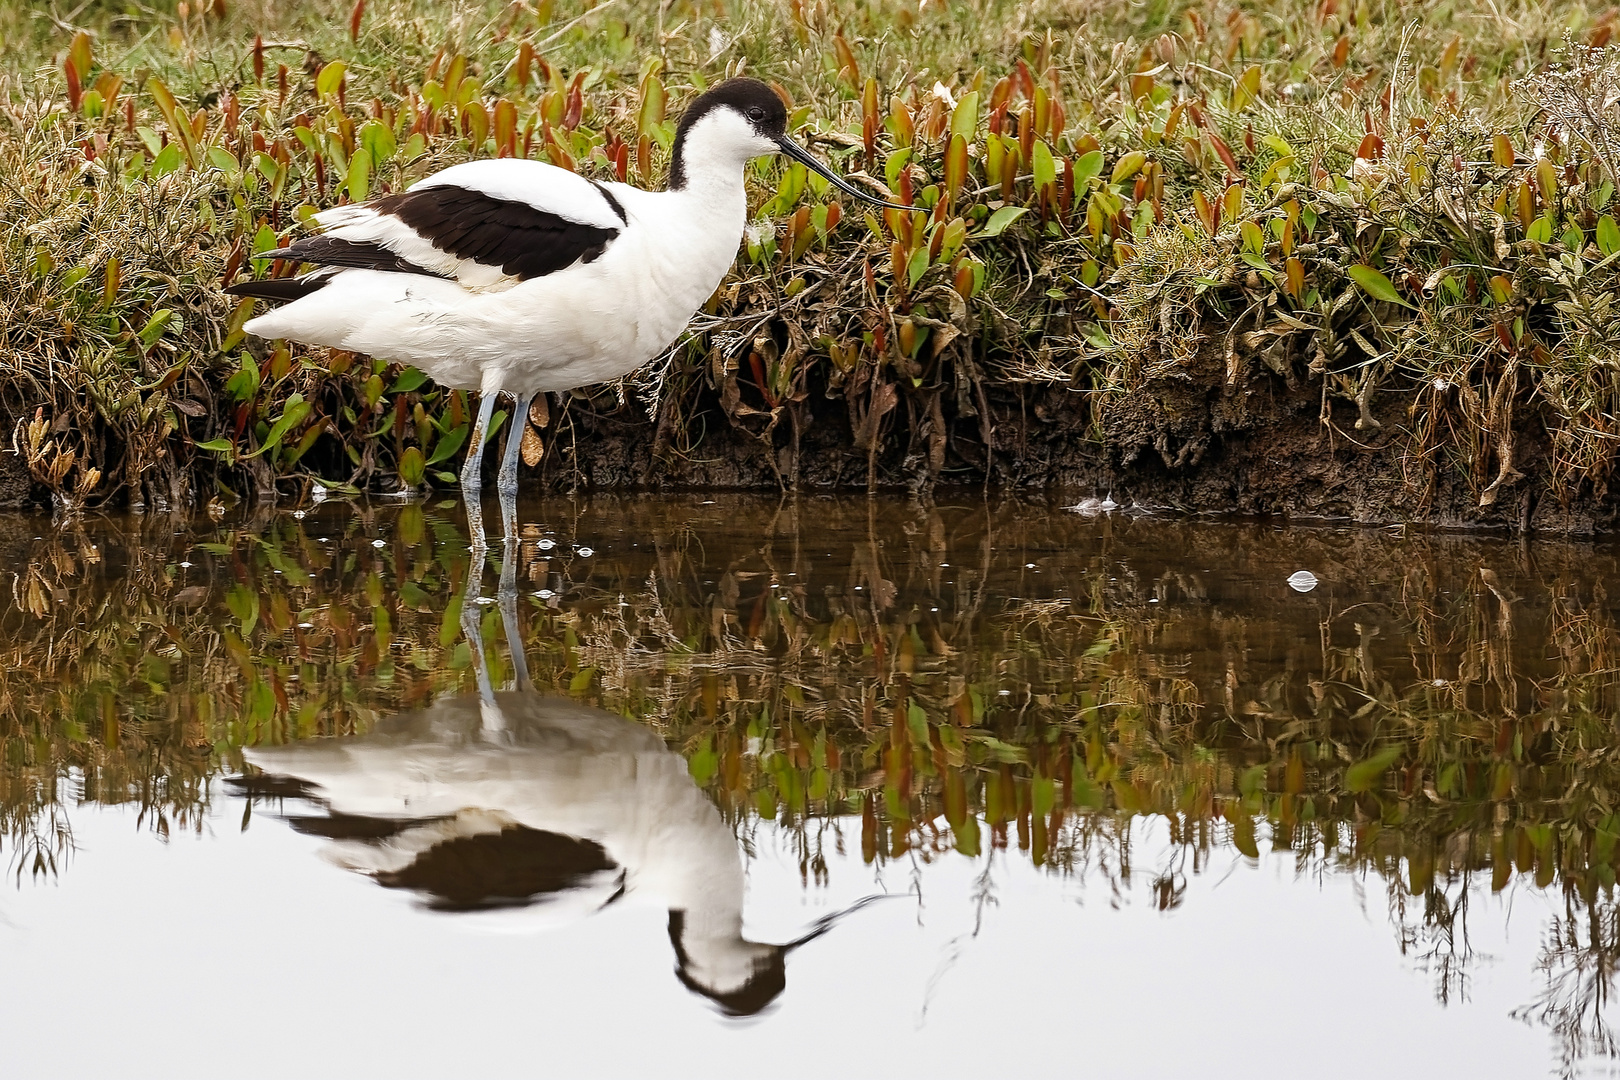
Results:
x,y
741,119
741,977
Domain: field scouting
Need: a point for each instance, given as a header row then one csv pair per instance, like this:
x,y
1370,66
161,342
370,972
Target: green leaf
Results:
x,y
326,83
1089,165
447,446
218,446
1278,144
294,413
998,221
917,267
917,721
1002,751
154,327
378,140
408,380
1376,285
965,120
1254,241
1045,169
245,383
1540,230
1364,774
892,166
167,160
1253,780
1125,168
243,603
224,161
703,765
359,181
412,467
1608,235
265,240
1243,836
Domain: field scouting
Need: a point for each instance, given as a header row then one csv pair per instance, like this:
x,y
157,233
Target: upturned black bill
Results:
x,y
799,153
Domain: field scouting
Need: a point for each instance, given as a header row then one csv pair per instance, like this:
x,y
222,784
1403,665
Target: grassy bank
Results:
x,y
1380,231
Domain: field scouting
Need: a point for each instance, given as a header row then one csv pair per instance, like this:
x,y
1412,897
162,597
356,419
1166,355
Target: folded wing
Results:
x,y
487,225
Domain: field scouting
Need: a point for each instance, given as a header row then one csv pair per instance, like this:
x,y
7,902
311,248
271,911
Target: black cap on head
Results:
x,y
761,106
750,98
764,985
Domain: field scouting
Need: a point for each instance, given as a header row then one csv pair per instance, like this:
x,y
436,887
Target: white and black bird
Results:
x,y
521,800
516,276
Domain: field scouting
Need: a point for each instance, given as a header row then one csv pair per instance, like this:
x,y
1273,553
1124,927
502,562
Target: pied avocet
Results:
x,y
520,277
518,799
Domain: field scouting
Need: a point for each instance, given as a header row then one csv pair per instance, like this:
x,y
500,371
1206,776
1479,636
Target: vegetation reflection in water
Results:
x,y
1437,714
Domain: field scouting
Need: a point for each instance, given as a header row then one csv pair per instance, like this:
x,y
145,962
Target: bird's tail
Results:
x,y
287,288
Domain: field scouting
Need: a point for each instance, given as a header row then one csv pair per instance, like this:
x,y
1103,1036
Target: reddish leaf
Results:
x,y
1371,148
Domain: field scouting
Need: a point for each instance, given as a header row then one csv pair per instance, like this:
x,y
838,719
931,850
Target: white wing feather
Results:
x,y
544,187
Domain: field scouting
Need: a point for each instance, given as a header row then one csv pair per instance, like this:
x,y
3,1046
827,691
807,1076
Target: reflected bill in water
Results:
x,y
517,798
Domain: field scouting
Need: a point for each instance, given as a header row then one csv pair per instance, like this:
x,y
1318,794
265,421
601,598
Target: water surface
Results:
x,y
733,786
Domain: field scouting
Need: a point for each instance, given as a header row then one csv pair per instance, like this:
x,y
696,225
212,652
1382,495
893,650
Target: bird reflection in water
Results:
x,y
516,798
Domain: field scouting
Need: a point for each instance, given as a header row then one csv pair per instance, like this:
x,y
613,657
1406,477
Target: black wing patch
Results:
x,y
515,867
336,251
525,242
607,197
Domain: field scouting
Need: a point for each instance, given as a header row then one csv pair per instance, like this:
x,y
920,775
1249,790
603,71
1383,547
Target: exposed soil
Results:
x,y
17,487
1194,445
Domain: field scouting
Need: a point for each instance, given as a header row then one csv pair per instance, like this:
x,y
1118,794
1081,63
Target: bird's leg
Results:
x,y
470,627
507,485
472,481
507,597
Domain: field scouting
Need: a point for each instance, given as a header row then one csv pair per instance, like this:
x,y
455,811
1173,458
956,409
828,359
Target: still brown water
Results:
x,y
283,795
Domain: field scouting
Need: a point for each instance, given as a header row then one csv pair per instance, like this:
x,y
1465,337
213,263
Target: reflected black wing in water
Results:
x,y
515,867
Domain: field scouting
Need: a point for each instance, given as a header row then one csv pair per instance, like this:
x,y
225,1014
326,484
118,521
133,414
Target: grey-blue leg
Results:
x,y
507,597
507,484
471,619
493,721
472,476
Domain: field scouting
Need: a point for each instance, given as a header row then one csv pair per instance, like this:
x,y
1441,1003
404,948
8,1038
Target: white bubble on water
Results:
x,y
1302,581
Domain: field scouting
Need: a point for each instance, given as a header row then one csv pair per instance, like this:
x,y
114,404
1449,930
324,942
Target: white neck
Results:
x,y
710,156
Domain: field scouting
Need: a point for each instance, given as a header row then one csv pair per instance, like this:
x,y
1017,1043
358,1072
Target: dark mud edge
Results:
x,y
18,491
1193,445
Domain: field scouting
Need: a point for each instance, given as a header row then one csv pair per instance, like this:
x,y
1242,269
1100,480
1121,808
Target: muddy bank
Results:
x,y
17,488
1264,445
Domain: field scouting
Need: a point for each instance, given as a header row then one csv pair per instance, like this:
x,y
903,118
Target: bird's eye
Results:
x,y
756,114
